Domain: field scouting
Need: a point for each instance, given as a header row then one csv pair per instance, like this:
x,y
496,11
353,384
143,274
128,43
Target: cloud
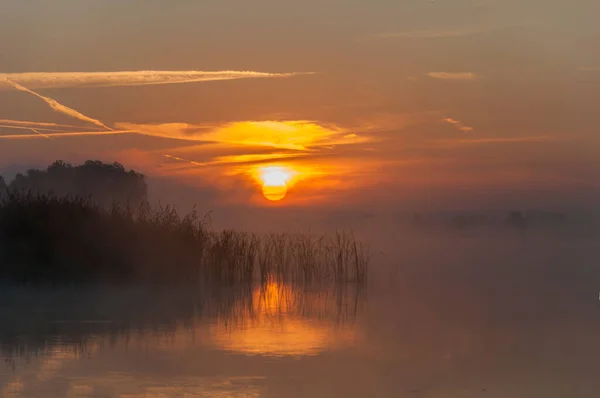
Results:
x,y
58,107
176,131
232,156
458,124
38,125
464,76
298,135
63,134
99,79
41,80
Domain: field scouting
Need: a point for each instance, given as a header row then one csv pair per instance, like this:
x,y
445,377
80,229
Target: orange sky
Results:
x,y
358,102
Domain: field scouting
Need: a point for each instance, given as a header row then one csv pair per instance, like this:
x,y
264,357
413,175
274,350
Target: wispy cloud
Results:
x,y
458,124
245,159
13,127
462,76
58,107
38,125
63,134
176,131
41,80
299,135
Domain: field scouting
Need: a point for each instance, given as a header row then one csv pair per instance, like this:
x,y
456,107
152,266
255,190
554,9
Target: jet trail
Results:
x,y
38,124
67,134
58,107
42,134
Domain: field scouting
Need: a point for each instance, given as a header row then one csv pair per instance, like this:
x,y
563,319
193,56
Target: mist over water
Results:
x,y
444,314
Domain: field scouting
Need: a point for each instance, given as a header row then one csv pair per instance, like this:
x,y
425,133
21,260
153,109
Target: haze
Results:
x,y
379,105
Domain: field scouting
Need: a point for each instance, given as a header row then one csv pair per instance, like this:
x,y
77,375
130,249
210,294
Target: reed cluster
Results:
x,y
48,239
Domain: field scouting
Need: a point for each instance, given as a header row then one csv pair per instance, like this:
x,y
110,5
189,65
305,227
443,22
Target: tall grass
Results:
x,y
70,240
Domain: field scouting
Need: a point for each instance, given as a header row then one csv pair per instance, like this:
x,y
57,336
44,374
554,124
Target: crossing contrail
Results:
x,y
58,107
39,125
42,134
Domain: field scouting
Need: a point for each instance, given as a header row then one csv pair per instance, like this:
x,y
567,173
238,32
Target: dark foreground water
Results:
x,y
460,318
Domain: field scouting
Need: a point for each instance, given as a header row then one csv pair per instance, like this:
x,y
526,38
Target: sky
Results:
x,y
378,104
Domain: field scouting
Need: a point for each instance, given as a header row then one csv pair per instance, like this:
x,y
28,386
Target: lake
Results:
x,y
466,317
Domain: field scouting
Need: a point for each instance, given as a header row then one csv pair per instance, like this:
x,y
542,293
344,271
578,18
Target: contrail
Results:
x,y
42,134
57,130
58,107
67,134
184,160
42,80
37,124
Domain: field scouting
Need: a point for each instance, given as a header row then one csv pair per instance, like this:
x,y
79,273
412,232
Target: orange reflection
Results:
x,y
278,324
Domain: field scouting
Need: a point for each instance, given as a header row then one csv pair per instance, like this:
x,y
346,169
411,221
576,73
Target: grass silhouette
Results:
x,y
70,240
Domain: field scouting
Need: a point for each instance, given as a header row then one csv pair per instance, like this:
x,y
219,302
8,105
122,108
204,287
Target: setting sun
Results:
x,y
274,182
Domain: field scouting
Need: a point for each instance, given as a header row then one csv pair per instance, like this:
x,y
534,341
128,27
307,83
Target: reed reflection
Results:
x,y
283,319
272,318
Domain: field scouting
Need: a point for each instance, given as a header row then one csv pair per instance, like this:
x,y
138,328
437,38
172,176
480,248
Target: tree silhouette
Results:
x,y
3,186
103,183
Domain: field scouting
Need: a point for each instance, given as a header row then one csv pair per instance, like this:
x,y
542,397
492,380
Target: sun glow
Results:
x,y
275,181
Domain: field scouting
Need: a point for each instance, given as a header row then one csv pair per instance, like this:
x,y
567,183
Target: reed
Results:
x,y
49,239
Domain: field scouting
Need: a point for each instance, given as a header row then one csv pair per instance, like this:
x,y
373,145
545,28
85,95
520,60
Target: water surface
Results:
x,y
447,319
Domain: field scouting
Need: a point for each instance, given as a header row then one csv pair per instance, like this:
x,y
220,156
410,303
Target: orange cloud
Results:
x,y
458,124
298,135
459,76
234,156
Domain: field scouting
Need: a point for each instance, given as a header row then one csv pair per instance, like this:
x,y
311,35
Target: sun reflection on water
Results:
x,y
273,319
285,322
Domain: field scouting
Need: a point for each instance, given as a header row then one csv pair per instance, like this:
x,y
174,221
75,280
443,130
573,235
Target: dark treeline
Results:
x,y
103,183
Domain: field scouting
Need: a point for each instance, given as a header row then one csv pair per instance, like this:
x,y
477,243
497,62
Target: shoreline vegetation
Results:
x,y
49,239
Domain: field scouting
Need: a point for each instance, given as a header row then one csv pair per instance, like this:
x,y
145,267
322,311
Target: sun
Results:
x,y
275,182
